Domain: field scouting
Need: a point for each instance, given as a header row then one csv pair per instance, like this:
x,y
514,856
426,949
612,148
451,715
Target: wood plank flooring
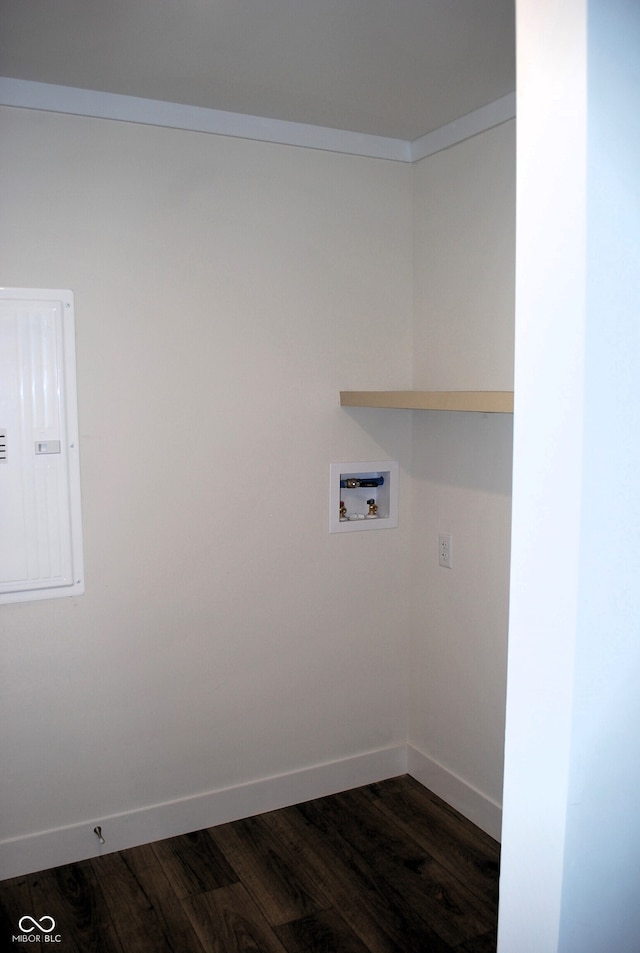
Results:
x,y
385,868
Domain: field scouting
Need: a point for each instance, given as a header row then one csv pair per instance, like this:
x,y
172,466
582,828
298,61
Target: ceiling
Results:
x,y
396,68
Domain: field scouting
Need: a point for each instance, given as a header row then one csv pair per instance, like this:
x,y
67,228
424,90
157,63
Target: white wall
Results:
x,y
571,837
464,264
464,298
225,291
603,826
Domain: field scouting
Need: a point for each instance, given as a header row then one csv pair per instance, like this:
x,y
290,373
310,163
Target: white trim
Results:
x,y
25,94
476,806
65,845
494,114
152,112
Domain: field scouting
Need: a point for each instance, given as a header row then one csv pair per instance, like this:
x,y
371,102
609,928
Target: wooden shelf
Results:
x,y
477,401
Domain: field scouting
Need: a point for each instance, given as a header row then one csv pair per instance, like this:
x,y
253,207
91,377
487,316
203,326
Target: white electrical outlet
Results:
x,y
445,554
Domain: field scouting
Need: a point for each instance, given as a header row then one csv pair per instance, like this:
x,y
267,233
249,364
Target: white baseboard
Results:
x,y
477,807
65,845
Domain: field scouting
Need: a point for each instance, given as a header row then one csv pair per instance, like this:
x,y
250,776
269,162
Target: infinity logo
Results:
x,y
37,924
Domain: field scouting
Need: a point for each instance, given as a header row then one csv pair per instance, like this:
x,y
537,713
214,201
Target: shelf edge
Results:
x,y
475,401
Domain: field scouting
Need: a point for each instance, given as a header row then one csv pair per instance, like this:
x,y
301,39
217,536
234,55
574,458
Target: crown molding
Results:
x,y
152,112
494,114
25,94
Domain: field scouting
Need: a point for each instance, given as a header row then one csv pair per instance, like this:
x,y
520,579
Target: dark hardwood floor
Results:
x,y
386,868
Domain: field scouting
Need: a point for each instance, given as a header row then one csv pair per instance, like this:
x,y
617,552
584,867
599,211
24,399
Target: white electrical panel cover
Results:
x,y
40,516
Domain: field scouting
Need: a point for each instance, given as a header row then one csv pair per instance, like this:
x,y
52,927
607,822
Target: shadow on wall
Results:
x,y
471,451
